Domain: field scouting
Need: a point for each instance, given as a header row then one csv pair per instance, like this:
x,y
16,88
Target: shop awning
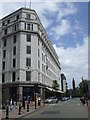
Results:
x,y
51,89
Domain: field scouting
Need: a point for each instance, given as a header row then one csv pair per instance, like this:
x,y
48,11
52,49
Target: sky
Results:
x,y
66,24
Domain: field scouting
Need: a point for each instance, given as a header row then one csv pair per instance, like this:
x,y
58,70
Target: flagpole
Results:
x,y
25,3
30,4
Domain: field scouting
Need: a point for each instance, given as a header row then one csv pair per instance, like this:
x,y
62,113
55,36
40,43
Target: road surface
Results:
x,y
66,109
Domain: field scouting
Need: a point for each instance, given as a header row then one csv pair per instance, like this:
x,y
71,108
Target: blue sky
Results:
x,y
66,24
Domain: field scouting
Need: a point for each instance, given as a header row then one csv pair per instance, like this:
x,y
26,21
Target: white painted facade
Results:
x,y
42,50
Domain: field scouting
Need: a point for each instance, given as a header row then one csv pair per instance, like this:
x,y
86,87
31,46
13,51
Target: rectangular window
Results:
x,y
15,28
38,42
28,16
38,53
28,37
42,56
4,53
28,62
14,62
42,67
14,50
28,26
13,77
32,27
3,78
4,42
25,26
5,32
28,76
8,21
3,65
14,38
17,17
3,23
38,64
28,49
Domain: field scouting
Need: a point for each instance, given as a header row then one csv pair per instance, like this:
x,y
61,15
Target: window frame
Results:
x,y
28,49
28,75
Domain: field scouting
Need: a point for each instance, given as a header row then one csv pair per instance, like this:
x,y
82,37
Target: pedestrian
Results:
x,y
11,105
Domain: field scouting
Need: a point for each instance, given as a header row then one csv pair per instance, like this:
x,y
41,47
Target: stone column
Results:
x,y
41,93
20,93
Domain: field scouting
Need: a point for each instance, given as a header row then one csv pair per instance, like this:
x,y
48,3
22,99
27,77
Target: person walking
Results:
x,y
11,105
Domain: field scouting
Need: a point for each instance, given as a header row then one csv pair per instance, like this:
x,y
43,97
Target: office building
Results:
x,y
29,61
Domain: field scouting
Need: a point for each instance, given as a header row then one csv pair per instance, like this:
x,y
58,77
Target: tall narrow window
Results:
x,y
28,76
14,50
17,17
4,53
5,32
38,53
3,78
32,27
14,62
38,64
13,77
25,26
15,27
3,65
28,62
28,49
4,42
38,42
28,37
28,26
28,16
42,56
3,23
14,38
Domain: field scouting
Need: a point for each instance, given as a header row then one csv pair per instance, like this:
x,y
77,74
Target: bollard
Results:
x,y
19,109
7,112
27,106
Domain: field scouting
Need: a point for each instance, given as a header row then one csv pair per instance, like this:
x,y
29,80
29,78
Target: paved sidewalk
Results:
x,y
15,111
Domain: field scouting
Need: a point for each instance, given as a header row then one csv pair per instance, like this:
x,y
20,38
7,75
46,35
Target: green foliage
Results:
x,y
55,85
83,86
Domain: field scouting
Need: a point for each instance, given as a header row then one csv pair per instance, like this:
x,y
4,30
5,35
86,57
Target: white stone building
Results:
x,y
28,57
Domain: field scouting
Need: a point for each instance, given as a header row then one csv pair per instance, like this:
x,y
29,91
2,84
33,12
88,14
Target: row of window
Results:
x,y
28,17
8,21
5,41
15,40
28,63
28,76
28,26
4,52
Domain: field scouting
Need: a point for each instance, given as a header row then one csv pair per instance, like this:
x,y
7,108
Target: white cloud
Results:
x,y
69,9
62,29
74,61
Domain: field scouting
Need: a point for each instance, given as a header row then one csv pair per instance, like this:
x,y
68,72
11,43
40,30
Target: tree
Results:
x,y
55,85
83,86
